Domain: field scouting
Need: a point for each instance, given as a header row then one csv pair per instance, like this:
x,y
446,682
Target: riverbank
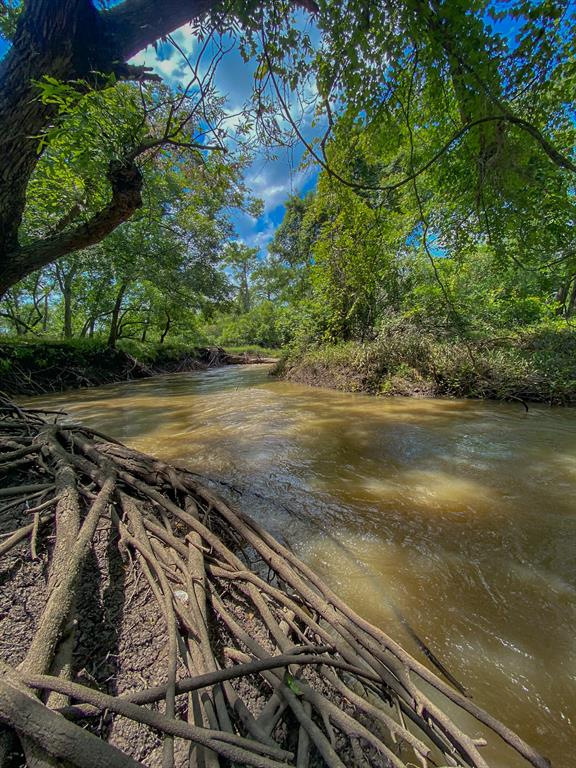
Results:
x,y
39,367
538,365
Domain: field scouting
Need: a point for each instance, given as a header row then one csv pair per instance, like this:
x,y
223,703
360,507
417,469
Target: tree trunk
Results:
x,y
20,328
166,328
66,281
12,314
245,289
45,314
562,295
126,182
67,295
113,335
88,328
571,306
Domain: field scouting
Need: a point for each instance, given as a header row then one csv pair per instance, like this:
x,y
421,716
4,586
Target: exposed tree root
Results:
x,y
261,663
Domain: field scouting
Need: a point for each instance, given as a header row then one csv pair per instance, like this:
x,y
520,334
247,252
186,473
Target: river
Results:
x,y
458,515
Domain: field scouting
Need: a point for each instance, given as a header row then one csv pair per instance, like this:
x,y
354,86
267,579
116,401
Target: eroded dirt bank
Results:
x,y
34,368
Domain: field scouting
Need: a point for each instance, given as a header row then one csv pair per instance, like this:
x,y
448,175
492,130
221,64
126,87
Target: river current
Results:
x,y
458,516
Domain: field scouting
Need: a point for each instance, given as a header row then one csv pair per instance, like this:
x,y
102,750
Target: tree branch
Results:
x,y
126,182
134,24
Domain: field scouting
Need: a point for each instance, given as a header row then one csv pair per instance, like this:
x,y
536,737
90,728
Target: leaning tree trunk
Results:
x,y
68,40
71,40
115,317
571,303
166,329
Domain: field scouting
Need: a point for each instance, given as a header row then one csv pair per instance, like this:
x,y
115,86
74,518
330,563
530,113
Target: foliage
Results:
x,y
153,276
242,261
30,366
260,326
460,252
9,12
444,202
537,364
253,350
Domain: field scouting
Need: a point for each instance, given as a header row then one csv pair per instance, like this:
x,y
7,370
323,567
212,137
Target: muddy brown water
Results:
x,y
460,515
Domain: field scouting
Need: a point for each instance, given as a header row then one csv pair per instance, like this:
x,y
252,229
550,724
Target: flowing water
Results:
x,y
458,515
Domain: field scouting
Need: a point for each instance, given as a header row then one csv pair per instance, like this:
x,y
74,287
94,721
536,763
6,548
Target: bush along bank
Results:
x,y
36,367
537,365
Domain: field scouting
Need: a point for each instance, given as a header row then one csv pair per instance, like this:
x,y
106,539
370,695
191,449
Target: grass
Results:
x,y
253,349
146,352
532,364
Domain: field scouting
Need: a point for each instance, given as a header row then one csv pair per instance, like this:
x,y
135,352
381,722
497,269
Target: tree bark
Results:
x,y
34,53
11,313
53,733
113,335
245,289
45,314
67,295
571,304
145,330
126,182
68,40
65,281
166,328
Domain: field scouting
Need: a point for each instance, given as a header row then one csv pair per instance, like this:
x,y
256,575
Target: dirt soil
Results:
x,y
36,368
121,640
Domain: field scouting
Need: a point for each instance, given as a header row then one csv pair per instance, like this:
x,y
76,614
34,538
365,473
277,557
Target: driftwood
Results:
x,y
264,665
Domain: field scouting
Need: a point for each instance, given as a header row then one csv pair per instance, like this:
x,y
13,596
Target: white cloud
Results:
x,y
271,179
275,180
261,239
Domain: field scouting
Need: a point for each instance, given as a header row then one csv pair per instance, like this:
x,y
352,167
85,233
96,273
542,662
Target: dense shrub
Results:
x,y
537,364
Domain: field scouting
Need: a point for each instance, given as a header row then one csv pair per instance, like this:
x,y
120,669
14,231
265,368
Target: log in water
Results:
x,y
456,516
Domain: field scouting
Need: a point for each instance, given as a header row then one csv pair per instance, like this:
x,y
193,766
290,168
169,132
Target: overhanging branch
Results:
x,y
134,24
126,182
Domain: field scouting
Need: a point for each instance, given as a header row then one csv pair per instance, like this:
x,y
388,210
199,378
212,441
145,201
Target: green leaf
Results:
x,y
292,683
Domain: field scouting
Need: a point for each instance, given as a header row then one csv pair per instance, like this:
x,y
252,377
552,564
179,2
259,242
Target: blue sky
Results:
x,y
271,179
